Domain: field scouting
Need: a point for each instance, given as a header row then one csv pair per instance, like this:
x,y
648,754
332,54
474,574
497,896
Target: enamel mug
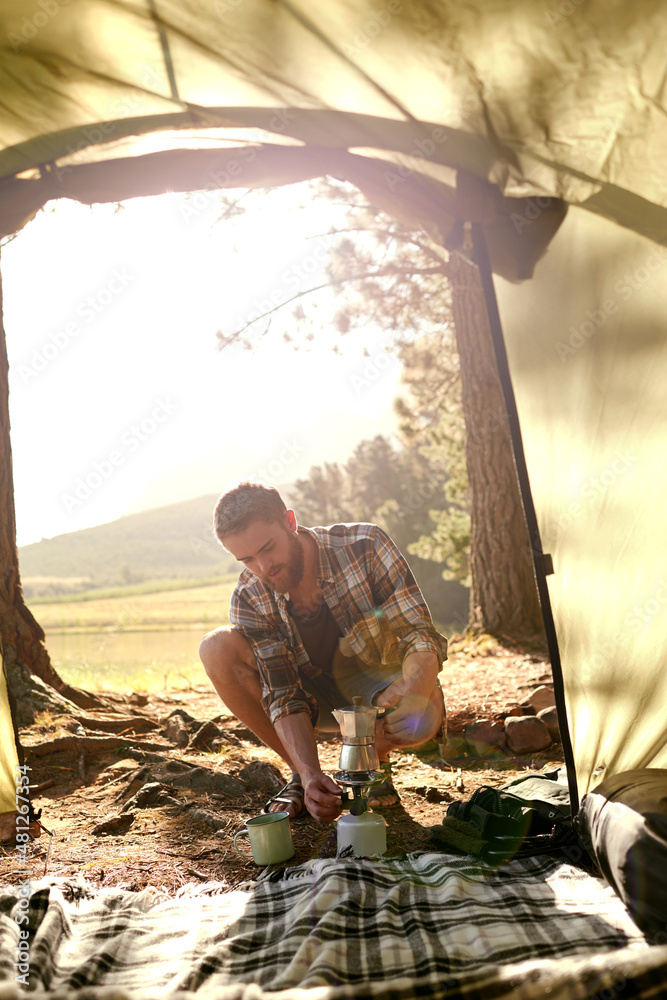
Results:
x,y
270,838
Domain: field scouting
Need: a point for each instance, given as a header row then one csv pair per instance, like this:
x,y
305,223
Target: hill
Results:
x,y
174,543
171,542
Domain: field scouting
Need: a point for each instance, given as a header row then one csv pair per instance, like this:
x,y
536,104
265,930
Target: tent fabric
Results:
x,y
426,925
551,105
588,352
570,106
8,753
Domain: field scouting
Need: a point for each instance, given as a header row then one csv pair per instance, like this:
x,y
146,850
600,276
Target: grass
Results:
x,y
44,719
142,680
137,638
134,611
132,590
129,661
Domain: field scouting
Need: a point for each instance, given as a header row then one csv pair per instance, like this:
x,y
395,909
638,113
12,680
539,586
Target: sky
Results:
x,y
120,399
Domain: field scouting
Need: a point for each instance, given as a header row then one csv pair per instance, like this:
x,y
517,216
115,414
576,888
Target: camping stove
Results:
x,y
362,830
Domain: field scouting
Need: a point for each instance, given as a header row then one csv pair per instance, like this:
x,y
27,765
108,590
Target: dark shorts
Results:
x,y
350,678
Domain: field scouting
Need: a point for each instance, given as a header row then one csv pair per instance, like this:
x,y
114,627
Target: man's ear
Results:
x,y
290,520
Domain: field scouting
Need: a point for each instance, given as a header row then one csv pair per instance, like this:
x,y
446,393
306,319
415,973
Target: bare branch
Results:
x,y
380,273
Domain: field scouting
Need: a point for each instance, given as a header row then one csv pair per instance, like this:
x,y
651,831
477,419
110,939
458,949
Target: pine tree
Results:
x,y
433,311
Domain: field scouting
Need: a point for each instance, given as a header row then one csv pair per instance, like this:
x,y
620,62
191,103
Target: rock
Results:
x,y
519,710
260,775
541,697
430,793
204,737
144,756
227,741
164,799
453,747
549,717
244,734
176,731
147,795
515,710
209,818
438,795
200,778
188,719
152,794
167,769
116,826
485,738
527,734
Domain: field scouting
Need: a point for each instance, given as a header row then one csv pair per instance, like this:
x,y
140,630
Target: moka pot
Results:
x,y
361,829
358,753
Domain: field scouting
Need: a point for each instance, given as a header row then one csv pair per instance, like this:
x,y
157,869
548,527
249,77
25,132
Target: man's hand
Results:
x,y
323,797
413,718
415,703
392,694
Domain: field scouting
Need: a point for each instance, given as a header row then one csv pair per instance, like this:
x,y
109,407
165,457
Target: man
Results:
x,y
318,616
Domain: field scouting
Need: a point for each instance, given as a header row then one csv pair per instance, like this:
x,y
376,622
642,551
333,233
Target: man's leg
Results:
x,y
231,666
429,725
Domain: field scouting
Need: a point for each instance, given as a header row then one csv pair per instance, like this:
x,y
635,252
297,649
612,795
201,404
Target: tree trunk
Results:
x,y
21,636
503,595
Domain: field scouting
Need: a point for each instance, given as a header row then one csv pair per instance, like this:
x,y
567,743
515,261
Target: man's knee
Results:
x,y
225,650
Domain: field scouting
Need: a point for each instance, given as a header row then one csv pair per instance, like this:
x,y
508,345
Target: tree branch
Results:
x,y
382,273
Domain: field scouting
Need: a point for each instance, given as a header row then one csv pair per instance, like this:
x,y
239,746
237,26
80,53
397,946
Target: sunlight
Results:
x,y
120,399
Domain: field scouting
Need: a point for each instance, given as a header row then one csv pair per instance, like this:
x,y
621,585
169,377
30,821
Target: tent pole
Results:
x,y
541,562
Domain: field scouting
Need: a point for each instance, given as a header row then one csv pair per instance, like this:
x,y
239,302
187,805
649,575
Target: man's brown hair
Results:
x,y
239,507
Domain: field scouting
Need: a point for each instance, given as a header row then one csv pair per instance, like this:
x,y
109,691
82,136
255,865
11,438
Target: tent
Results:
x,y
537,131
546,107
9,759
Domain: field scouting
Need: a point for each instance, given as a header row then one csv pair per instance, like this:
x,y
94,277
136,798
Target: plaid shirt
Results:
x,y
373,597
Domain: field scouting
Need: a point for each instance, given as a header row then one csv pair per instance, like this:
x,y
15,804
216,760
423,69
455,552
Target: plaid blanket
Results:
x,y
429,925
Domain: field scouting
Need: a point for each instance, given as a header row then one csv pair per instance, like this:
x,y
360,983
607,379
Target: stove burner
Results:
x,y
357,779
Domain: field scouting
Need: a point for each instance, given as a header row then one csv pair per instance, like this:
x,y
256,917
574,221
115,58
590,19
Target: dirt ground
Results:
x,y
86,768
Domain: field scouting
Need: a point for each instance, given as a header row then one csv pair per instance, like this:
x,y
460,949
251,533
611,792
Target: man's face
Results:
x,y
271,551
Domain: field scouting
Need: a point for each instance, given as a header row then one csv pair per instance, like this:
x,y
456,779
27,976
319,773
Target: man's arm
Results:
x,y
414,699
322,795
278,673
410,696
403,615
254,612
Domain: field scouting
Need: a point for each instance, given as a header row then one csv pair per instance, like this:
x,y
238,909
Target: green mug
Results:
x,y
270,838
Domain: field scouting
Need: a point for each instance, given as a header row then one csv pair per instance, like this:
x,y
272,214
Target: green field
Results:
x,y
133,611
129,661
131,640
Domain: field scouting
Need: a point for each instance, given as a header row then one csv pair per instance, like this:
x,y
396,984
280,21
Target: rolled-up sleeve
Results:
x,y
272,646
401,608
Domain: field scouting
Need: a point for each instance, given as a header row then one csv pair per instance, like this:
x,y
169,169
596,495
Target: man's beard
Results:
x,y
292,571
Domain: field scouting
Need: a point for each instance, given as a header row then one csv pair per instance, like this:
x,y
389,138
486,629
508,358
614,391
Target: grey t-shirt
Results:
x,y
320,636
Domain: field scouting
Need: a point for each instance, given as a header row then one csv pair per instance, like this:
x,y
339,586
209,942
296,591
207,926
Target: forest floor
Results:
x,y
86,767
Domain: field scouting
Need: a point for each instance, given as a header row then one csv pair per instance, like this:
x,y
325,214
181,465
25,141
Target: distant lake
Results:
x,y
129,661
